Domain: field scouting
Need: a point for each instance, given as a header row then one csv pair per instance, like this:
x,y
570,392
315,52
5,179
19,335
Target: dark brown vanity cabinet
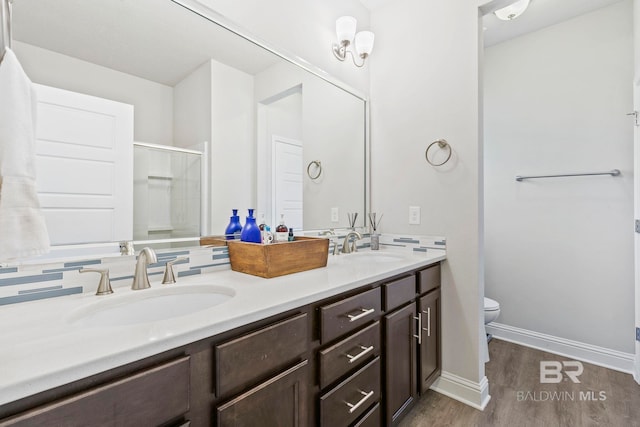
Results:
x,y
266,371
356,359
349,362
411,340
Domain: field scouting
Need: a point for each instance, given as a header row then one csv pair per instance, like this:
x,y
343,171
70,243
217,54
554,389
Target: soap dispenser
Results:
x,y
282,231
234,228
251,231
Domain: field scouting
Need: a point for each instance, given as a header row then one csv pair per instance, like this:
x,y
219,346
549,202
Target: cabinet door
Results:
x,y
401,361
429,307
278,402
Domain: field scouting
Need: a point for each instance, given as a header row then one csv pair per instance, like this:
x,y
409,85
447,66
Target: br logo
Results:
x,y
553,371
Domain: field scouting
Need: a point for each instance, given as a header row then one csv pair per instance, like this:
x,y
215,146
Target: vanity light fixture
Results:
x,y
512,11
346,31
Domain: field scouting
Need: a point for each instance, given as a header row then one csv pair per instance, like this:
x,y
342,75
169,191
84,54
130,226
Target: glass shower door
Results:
x,y
167,193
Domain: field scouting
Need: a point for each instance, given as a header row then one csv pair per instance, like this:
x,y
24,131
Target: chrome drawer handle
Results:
x,y
419,329
364,351
352,407
364,312
428,328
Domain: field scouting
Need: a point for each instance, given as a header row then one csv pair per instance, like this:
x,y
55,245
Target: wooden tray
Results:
x,y
213,241
278,259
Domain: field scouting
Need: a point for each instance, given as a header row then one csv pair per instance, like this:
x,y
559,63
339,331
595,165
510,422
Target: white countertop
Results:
x,y
40,348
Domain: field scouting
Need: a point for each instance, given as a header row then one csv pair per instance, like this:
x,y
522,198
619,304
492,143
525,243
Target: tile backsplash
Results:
x,y
36,282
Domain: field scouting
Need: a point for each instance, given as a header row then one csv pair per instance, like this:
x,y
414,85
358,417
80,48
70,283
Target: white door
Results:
x,y
84,166
287,181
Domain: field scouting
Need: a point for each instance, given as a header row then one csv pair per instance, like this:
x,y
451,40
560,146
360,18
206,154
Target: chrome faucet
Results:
x,y
104,287
345,245
140,277
331,233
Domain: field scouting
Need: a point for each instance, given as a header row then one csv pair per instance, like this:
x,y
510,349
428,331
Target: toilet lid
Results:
x,y
491,305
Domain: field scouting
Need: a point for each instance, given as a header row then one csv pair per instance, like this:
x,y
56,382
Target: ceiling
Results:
x,y
374,4
540,14
146,38
156,40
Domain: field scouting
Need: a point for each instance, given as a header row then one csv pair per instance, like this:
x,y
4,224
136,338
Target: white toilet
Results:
x,y
491,310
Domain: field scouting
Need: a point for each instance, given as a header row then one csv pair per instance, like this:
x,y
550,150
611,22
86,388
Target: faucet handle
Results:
x,y
169,277
104,287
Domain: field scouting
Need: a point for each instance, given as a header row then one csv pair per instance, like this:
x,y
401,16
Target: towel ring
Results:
x,y
318,166
442,144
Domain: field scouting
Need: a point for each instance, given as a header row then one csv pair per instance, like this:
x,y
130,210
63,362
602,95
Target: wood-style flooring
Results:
x,y
518,399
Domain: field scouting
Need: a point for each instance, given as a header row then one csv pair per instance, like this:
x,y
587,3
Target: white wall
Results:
x,y
192,108
153,102
215,103
424,86
233,154
559,252
306,28
636,151
279,117
332,132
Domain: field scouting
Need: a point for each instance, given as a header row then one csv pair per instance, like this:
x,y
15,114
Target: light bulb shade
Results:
x,y
364,42
346,28
512,11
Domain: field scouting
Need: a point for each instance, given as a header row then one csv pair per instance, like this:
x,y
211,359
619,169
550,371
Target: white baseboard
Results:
x,y
636,367
461,389
612,359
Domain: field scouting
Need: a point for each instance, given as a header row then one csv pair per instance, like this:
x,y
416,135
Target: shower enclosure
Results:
x,y
167,191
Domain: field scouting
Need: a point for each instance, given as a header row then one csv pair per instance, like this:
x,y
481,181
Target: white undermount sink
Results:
x,y
148,305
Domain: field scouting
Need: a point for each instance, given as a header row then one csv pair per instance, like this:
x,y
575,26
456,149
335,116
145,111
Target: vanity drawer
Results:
x,y
350,399
371,418
399,292
348,354
151,397
349,314
256,355
279,401
428,279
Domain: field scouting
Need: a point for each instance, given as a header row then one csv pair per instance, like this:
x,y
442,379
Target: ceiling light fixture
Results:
x,y
512,11
346,32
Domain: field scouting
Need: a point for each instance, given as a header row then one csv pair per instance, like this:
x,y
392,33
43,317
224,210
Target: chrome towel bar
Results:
x,y
614,172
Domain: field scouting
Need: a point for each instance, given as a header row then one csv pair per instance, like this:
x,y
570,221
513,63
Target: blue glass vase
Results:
x,y
234,228
251,231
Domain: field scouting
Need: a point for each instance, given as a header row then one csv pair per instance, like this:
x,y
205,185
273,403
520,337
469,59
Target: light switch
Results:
x,y
335,216
414,215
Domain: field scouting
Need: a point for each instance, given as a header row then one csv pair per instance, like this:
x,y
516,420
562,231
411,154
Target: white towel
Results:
x,y
23,231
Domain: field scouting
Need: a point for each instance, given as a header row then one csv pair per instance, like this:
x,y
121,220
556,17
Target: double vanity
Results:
x,y
354,343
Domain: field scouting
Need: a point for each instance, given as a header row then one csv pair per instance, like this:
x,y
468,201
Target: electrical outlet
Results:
x,y
637,334
414,215
335,216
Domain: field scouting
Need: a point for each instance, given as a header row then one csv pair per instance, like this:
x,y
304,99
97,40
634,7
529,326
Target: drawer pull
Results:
x,y
363,313
364,351
428,328
419,329
353,408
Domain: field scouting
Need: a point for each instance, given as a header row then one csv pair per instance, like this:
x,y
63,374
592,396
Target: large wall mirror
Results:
x,y
273,134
